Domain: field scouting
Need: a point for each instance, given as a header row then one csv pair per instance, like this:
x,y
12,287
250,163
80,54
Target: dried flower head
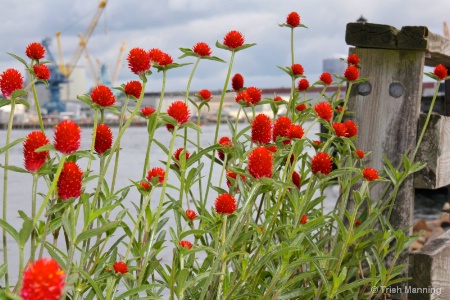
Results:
x,y
353,59
133,88
260,163
370,174
281,129
440,71
147,111
297,69
103,139
352,128
33,161
69,181
225,204
237,82
324,110
233,39
156,173
190,214
360,153
103,96
303,85
295,131
120,267
35,51
340,129
67,137
351,73
202,49
10,81
179,111
138,61
326,78
42,72
261,129
205,95
43,279
185,244
321,162
293,19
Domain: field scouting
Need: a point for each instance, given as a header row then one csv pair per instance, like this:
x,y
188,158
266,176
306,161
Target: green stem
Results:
x,y
344,107
199,162
292,46
94,134
117,152
188,87
33,213
38,108
224,254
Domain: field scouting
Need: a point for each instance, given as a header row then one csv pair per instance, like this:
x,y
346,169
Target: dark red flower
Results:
x,y
205,95
352,128
296,179
303,85
351,73
145,185
301,107
261,129
281,129
353,59
326,78
277,98
231,174
358,222
260,162
42,72
67,137
103,139
340,129
35,51
304,219
185,244
324,110
370,174
202,49
10,81
440,71
225,204
177,154
155,55
360,153
69,181
133,88
339,109
233,39
156,173
138,61
293,19
147,111
297,69
43,279
243,98
237,82
321,162
120,267
103,96
295,132
179,111
190,214
225,142
33,161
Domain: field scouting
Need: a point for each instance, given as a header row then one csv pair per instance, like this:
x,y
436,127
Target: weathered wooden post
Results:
x,y
387,107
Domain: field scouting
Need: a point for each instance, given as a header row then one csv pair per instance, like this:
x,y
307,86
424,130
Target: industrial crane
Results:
x,y
446,31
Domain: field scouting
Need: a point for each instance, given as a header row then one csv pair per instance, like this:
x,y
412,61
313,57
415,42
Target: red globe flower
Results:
x,y
303,85
103,139
243,98
370,174
138,61
440,71
231,174
190,214
304,219
296,179
321,162
260,163
233,39
326,78
297,69
42,72
155,55
165,60
352,128
225,142
324,110
35,51
67,137
281,129
237,82
33,161
225,204
177,154
10,81
202,49
293,19
351,73
103,96
43,279
277,98
317,143
145,185
261,129
185,244
120,267
272,148
179,111
133,88
156,173
295,132
205,95
69,181
301,107
340,129
254,93
360,153
358,222
353,59
147,111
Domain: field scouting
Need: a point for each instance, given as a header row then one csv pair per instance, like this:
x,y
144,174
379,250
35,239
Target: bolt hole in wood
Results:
x,y
396,89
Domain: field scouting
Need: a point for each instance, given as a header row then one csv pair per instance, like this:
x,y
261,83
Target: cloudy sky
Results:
x,y
171,24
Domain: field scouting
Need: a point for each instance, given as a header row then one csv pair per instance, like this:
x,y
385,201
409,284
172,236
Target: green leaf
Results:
x,y
25,232
92,283
67,224
3,269
14,169
136,290
12,144
214,58
86,99
19,59
47,147
4,102
22,101
96,231
9,229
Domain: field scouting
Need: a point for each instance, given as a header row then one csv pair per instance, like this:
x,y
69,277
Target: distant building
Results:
x,y
334,65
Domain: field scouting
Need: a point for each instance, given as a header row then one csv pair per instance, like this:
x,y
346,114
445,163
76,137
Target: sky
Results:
x,y
171,24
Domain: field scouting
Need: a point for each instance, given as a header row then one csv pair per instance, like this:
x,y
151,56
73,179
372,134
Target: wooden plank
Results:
x,y
371,35
429,270
435,151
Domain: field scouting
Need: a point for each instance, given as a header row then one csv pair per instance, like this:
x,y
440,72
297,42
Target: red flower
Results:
x,y
233,39
190,214
225,142
281,129
185,244
147,111
103,139
67,137
353,59
42,72
165,60
360,153
138,61
304,219
303,85
133,88
179,111
260,163
205,95
10,81
243,98
340,129
370,174
202,49
321,162
158,173
237,82
42,280
33,161
69,181
272,148
254,93
120,267
35,51
296,179
326,78
324,110
277,98
177,154
440,71
261,129
103,96
358,222
225,204
351,73
155,55
340,108
295,132
297,69
231,174
145,185
293,19
352,128
317,143
301,107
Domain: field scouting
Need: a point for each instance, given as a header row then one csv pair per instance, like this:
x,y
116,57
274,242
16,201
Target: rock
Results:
x,y
420,225
434,223
416,245
437,232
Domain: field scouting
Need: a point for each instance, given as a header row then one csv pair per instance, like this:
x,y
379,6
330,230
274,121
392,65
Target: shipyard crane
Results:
x,y
446,31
